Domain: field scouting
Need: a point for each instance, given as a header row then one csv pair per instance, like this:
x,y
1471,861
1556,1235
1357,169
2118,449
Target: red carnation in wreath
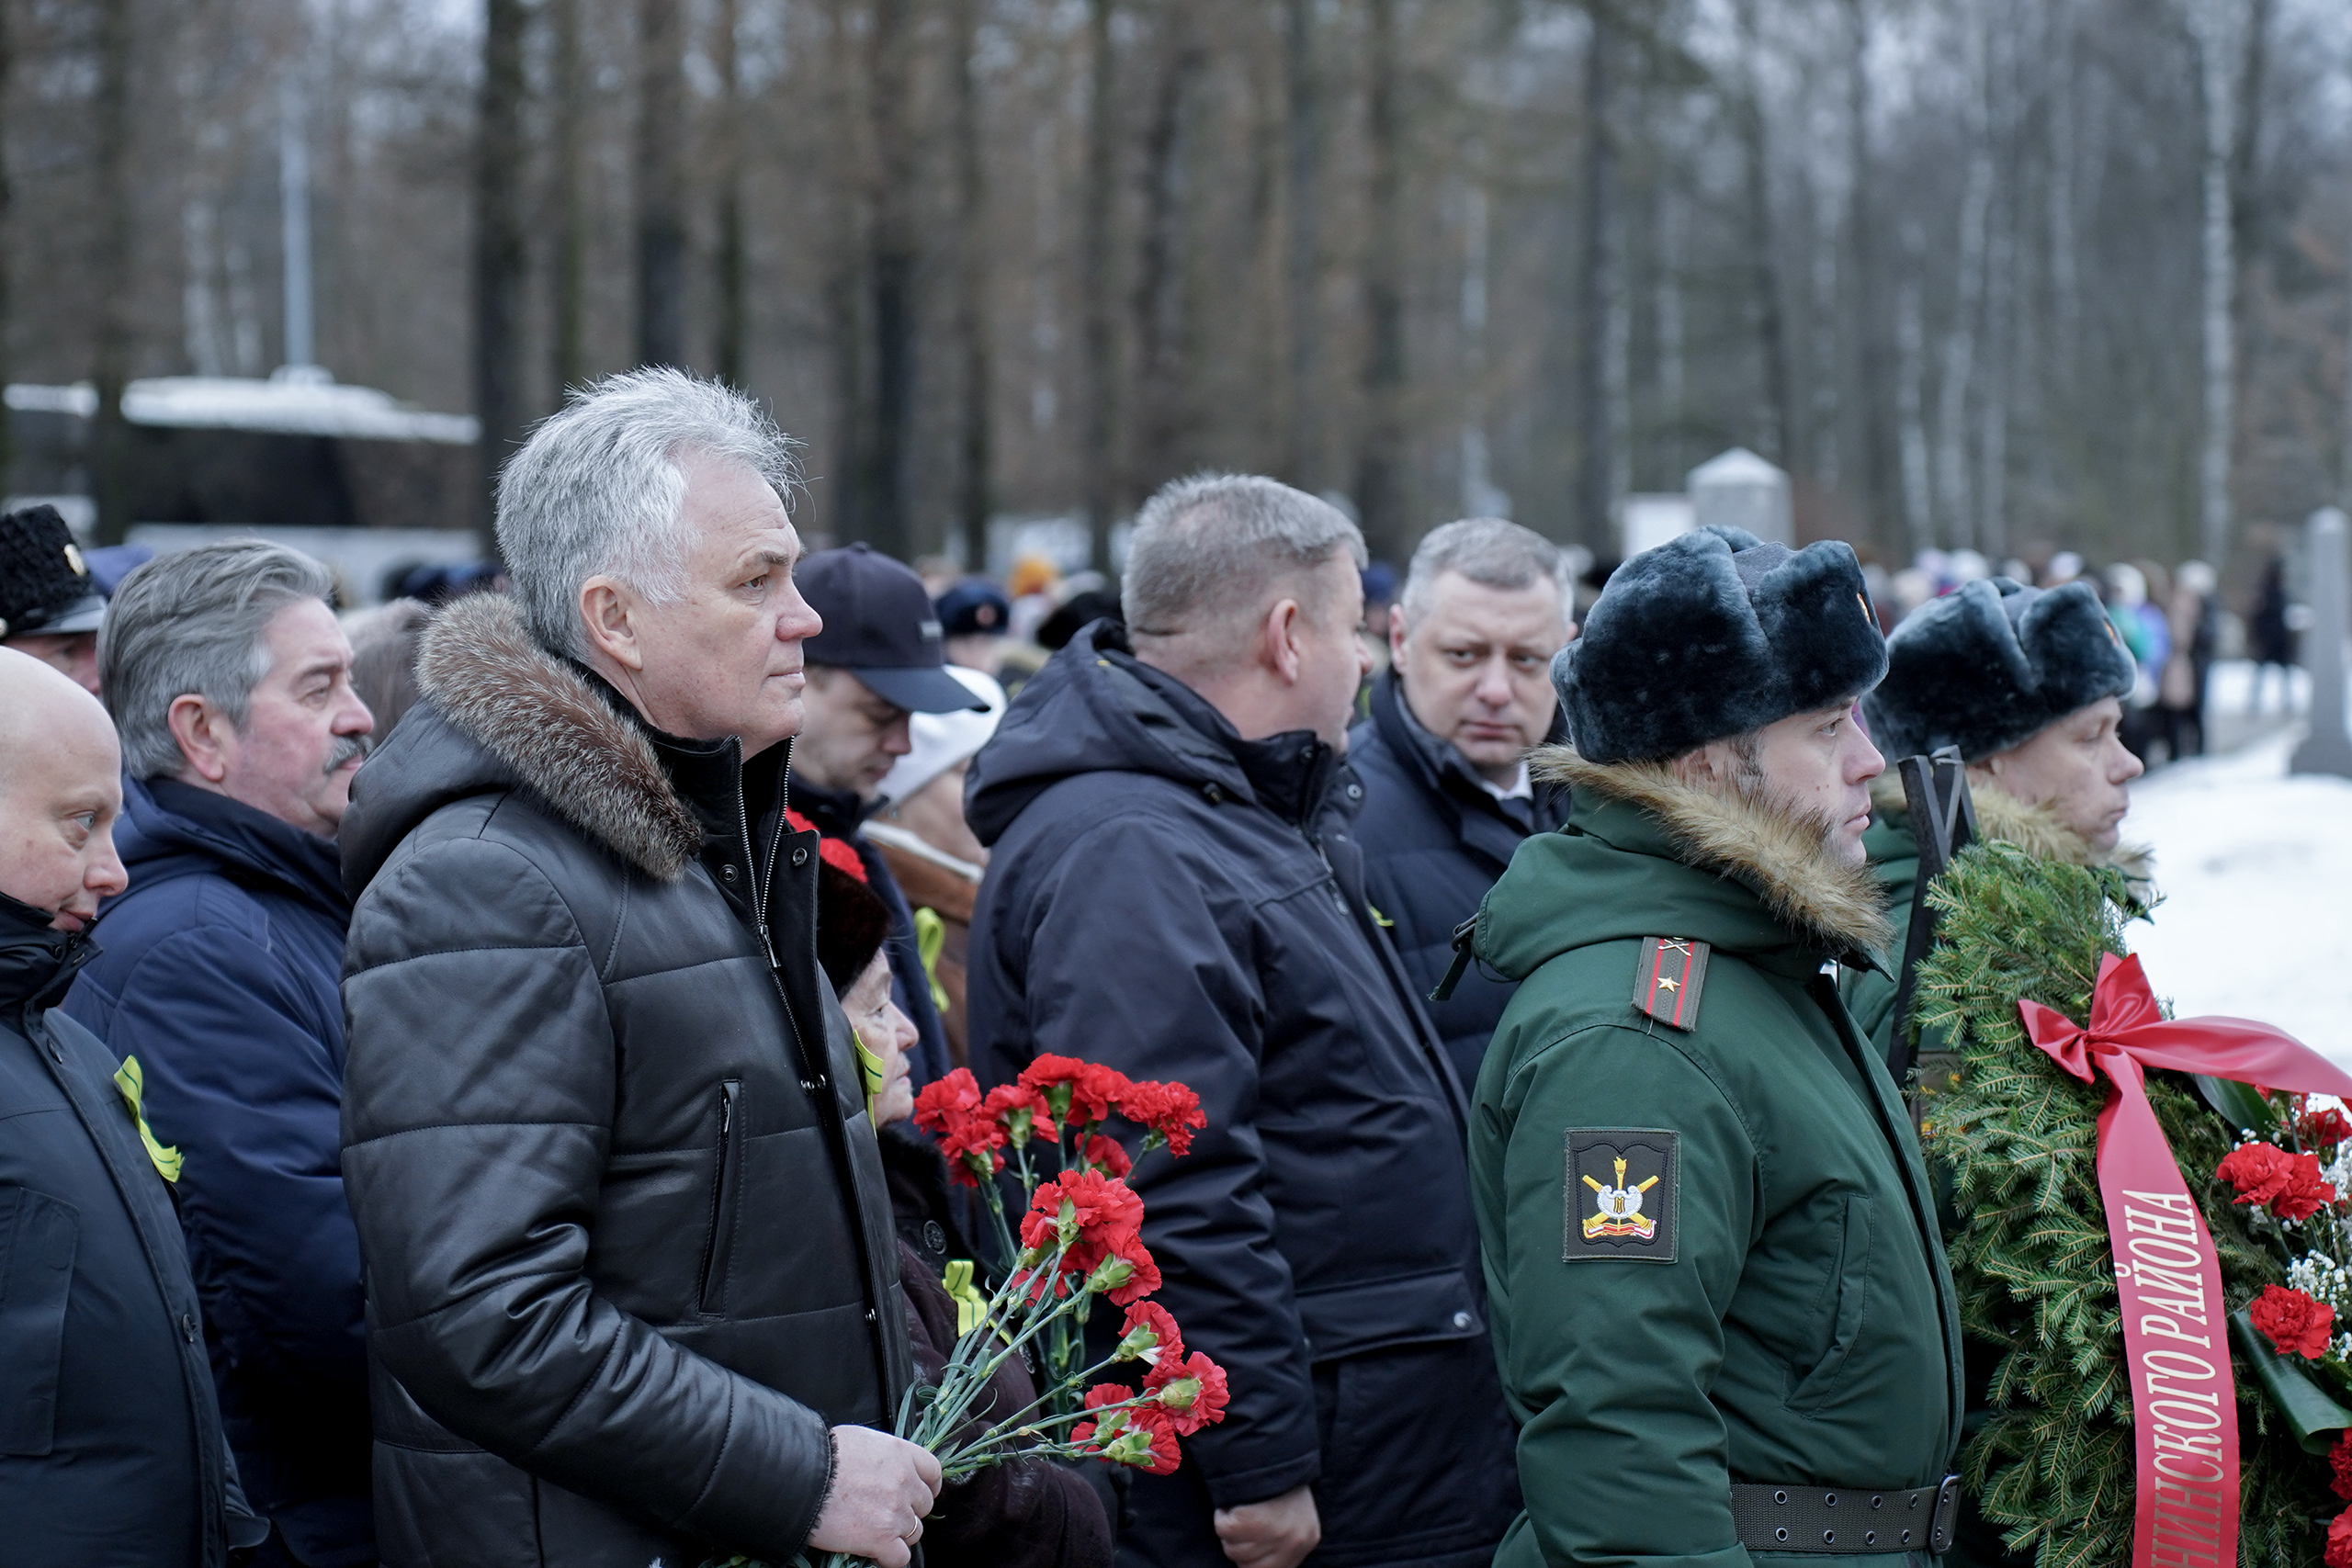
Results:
x,y
2292,1322
2339,1540
2324,1128
2339,1464
2289,1185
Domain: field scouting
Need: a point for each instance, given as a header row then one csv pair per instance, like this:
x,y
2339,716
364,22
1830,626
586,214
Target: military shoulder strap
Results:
x,y
1667,982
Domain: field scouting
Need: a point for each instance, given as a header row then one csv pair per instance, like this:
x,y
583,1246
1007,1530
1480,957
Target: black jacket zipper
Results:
x,y
722,1190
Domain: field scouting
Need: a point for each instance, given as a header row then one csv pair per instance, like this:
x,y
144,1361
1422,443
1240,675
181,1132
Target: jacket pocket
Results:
x,y
1848,1300
724,1170
1413,1309
39,1236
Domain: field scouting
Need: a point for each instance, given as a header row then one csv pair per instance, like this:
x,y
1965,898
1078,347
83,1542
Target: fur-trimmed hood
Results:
x,y
499,711
1822,901
2035,830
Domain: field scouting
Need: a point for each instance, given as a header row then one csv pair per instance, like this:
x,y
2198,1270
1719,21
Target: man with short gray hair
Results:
x,y
1174,889
632,1277
1443,753
230,683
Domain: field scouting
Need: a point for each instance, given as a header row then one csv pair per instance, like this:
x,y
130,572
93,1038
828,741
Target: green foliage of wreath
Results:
x,y
2052,1464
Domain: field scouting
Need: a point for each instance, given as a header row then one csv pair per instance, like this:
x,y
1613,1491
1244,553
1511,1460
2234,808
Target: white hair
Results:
x,y
1488,551
1202,544
598,488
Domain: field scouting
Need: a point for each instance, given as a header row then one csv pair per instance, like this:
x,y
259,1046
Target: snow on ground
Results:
x,y
2256,869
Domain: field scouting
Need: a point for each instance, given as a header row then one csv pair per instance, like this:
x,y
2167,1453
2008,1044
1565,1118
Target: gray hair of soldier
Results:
x,y
190,624
598,488
1213,549
1488,551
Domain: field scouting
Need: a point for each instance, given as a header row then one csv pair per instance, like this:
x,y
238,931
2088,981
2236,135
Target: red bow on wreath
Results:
x,y
2175,1337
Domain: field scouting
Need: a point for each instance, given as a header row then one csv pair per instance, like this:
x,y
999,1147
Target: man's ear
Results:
x,y
607,607
1397,634
1278,639
199,727
1696,767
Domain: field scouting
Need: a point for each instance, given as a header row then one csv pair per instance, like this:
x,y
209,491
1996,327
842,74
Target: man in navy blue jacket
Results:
x,y
229,681
1443,756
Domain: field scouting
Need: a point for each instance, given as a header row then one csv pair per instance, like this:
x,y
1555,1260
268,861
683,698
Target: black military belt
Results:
x,y
1845,1518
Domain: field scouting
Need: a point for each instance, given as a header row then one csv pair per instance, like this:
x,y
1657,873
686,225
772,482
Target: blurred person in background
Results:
x,y
1034,587
2135,601
632,1289
51,604
229,681
2270,634
111,1453
975,617
1030,1514
1443,758
1379,605
1175,891
929,848
384,643
878,662
2180,693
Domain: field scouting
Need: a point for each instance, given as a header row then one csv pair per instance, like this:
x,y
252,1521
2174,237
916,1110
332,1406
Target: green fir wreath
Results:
x,y
2051,1461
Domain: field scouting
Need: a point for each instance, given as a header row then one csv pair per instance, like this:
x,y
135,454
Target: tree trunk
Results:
x,y
661,182
2218,27
1911,373
1098,459
1159,305
1596,290
499,259
1763,246
115,229
1302,132
1952,498
1883,490
891,272
569,339
7,243
975,477
1380,463
732,325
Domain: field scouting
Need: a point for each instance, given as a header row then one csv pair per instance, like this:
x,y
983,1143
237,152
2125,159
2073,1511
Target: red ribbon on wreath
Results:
x,y
2175,1332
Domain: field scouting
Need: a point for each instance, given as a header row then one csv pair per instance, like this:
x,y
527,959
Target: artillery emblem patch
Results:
x,y
1621,1195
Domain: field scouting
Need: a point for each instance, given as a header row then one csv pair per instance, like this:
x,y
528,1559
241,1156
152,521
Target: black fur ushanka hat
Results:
x,y
1714,634
1991,664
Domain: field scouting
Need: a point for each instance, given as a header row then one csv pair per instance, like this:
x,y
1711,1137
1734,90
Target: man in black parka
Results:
x,y
1442,757
1175,890
632,1288
111,1452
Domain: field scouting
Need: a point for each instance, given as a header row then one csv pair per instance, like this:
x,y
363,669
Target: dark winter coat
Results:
x,y
627,1241
1434,840
111,1454
221,975
1783,1312
837,814
1180,903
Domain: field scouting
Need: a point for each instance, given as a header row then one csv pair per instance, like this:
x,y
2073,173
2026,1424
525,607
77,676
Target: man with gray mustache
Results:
x,y
230,682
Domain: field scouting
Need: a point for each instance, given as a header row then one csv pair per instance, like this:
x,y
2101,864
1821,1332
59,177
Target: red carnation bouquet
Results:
x,y
1079,1237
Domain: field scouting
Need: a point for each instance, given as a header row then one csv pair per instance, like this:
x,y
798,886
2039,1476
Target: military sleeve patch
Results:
x,y
1623,1196
1667,981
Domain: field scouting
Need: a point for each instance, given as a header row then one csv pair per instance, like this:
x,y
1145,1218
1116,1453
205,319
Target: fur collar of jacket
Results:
x,y
2037,831
1834,906
564,740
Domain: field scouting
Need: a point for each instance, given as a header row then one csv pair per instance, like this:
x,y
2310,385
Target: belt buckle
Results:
x,y
1947,1516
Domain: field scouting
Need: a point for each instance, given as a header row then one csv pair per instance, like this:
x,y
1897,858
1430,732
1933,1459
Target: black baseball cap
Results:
x,y
974,607
46,589
879,626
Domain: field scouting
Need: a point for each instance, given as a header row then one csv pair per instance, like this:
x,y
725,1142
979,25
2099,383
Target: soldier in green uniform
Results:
x,y
2027,683
1719,1301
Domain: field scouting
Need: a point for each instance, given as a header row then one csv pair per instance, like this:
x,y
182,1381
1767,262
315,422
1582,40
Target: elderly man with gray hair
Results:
x,y
1442,755
1175,888
230,682
632,1280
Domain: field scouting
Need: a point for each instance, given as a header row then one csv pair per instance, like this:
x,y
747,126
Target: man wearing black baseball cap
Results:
x,y
49,605
878,661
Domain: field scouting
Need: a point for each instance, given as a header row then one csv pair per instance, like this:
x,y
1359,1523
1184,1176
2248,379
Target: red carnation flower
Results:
x,y
2339,1464
835,853
2326,1127
1171,1111
1080,1093
2339,1540
952,1111
1007,1101
2292,1322
1106,1154
1150,1318
2289,1185
1193,1391
1143,1277
1143,1437
1108,1216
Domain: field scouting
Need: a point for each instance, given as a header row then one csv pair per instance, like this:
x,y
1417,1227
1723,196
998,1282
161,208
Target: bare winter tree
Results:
x,y
499,260
661,182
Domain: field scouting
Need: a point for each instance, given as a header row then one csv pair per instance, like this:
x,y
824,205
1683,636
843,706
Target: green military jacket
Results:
x,y
1787,1315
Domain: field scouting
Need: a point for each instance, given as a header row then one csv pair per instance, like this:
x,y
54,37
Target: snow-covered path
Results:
x,y
2255,868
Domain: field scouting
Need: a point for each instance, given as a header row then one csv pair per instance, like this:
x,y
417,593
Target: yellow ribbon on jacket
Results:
x,y
133,1085
870,1068
971,1306
931,937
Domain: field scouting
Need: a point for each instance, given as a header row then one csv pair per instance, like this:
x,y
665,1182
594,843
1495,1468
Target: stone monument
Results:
x,y
1744,490
2326,748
